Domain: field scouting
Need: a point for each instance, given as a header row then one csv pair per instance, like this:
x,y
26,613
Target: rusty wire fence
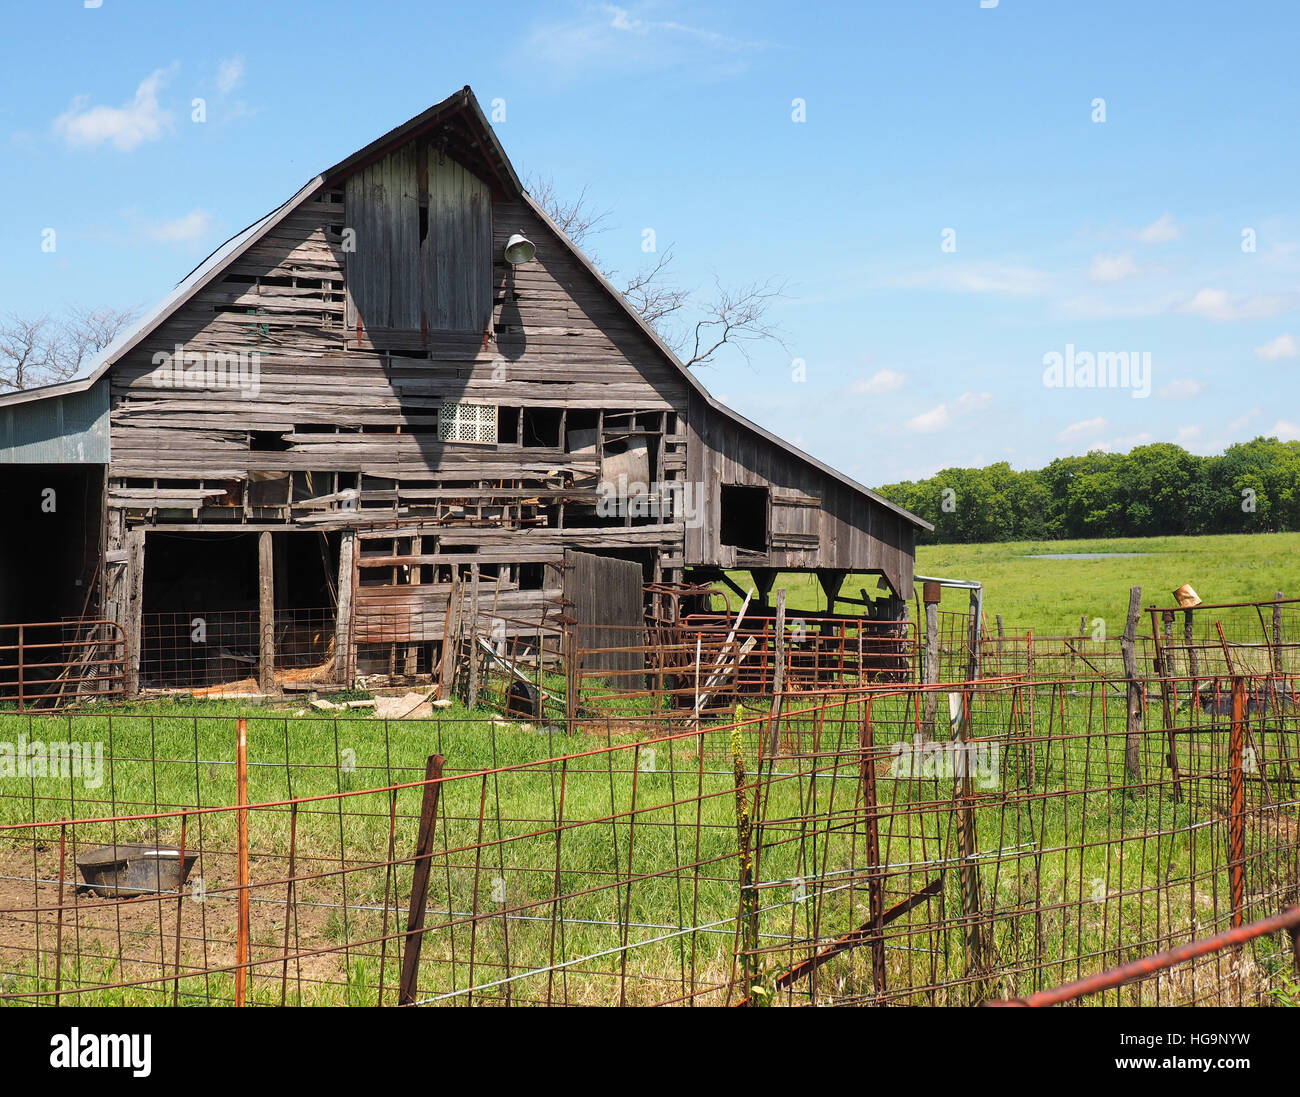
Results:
x,y
218,651
850,847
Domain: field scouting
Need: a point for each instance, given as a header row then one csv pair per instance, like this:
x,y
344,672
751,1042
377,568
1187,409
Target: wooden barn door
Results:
x,y
606,597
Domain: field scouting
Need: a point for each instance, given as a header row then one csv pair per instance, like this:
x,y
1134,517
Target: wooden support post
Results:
x,y
420,881
1189,636
343,663
411,662
241,854
265,612
931,664
134,608
1133,724
831,580
976,635
473,642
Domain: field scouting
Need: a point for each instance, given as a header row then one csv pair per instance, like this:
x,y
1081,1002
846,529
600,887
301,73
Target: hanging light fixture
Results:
x,y
519,249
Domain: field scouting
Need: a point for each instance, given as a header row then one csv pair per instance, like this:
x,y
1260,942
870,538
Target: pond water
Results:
x,y
1083,555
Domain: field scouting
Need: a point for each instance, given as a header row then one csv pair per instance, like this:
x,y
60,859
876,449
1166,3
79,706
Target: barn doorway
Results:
x,y
49,552
201,621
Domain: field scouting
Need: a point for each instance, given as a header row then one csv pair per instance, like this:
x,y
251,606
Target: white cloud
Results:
x,y
1083,428
1217,304
1284,431
1112,268
608,36
971,401
885,380
1160,231
192,226
1187,435
1284,346
1183,389
142,119
942,417
229,73
1243,420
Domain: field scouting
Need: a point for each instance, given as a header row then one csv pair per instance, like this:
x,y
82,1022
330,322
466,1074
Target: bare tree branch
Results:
x,y
577,218
652,295
736,319
89,332
37,351
27,351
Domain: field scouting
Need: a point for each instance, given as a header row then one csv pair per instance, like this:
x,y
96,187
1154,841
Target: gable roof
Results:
x,y
461,123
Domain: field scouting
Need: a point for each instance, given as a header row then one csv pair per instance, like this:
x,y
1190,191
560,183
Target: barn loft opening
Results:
x,y
744,517
542,427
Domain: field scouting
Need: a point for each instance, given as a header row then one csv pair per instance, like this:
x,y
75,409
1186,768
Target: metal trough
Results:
x,y
118,872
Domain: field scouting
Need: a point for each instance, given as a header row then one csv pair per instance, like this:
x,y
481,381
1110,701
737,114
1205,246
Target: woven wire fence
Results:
x,y
965,843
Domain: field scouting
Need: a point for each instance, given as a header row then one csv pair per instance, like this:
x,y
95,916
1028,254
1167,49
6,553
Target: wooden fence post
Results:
x,y
265,613
420,880
932,594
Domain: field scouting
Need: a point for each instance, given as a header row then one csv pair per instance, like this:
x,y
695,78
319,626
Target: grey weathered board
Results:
x,y
604,595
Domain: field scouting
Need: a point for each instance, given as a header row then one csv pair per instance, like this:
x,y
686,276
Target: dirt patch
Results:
x,y
98,942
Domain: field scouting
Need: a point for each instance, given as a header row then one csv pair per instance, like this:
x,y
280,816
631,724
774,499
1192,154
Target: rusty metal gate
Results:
x,y
46,664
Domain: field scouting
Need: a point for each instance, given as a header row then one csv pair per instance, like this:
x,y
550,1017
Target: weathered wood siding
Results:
x,y
815,521
339,428
423,245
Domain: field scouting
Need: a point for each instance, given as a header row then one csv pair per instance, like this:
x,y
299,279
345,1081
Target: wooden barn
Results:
x,y
374,393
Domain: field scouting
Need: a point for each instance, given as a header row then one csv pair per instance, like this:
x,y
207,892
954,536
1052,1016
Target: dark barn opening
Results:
x,y
50,544
49,552
744,517
201,619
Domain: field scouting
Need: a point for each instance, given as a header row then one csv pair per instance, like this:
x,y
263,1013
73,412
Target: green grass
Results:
x,y
1049,596
1067,843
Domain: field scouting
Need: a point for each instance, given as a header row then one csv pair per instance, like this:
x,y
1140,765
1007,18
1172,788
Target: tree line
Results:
x,y
1152,491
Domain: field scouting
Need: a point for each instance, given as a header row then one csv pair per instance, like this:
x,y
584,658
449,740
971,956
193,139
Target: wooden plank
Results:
x,y
344,665
266,612
134,608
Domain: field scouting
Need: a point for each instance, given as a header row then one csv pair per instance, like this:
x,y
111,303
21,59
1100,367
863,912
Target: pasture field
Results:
x,y
1050,595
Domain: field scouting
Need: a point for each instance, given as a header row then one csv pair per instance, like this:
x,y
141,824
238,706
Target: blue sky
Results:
x,y
1122,235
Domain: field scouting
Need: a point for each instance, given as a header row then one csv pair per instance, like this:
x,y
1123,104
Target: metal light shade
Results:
x,y
519,249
